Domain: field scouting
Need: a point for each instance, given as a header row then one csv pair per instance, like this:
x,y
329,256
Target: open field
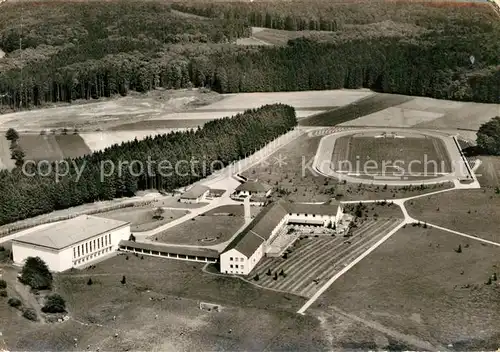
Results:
x,y
319,258
474,212
158,309
365,211
294,179
141,218
52,147
5,161
412,154
416,287
488,173
355,109
204,230
421,112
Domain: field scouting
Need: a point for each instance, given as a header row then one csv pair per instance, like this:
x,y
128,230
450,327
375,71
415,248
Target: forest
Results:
x,y
88,51
39,190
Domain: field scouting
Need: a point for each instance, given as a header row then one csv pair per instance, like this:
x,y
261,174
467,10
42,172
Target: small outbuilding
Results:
x,y
253,188
71,243
195,194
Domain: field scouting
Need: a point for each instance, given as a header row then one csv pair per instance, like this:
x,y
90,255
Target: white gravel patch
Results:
x,y
394,117
306,99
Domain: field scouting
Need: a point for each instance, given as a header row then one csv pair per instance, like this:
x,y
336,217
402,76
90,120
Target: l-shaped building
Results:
x,y
248,247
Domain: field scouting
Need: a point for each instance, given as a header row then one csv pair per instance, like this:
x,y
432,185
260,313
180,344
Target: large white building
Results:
x,y
71,243
195,194
248,248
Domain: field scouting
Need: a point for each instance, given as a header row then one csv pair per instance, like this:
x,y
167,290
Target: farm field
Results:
x,y
203,230
141,218
5,161
52,147
355,109
415,286
295,180
319,258
158,309
102,124
416,155
488,173
474,212
420,112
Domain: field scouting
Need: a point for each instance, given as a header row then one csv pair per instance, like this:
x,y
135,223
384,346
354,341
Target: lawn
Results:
x,y
203,230
295,179
412,155
474,212
374,210
158,309
418,288
141,218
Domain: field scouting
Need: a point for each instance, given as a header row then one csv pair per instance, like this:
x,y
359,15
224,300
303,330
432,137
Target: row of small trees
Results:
x,y
16,151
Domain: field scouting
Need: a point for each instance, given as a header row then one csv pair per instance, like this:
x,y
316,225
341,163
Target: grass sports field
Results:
x,y
141,218
370,154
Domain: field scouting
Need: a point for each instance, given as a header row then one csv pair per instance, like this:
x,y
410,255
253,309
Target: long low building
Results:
x,y
247,249
71,243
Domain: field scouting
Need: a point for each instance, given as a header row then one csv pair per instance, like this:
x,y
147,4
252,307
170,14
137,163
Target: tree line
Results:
x,y
218,144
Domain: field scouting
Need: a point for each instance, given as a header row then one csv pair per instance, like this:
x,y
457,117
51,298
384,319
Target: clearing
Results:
x,y
488,173
416,287
141,218
314,260
474,211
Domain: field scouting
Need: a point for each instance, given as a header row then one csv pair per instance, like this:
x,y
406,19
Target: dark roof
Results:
x,y
195,192
253,186
317,209
259,230
200,252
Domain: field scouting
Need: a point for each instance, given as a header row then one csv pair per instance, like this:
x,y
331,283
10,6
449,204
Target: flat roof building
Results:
x,y
71,243
195,194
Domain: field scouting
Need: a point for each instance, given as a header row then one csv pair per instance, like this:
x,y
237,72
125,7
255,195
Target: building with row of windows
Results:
x,y
247,249
71,243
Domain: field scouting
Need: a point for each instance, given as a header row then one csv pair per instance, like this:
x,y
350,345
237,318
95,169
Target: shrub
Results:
x,y
459,249
90,281
494,277
3,293
131,238
275,276
54,304
3,284
256,277
36,274
30,314
123,280
14,302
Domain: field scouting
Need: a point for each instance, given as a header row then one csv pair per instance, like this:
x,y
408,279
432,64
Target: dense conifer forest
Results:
x,y
77,50
217,144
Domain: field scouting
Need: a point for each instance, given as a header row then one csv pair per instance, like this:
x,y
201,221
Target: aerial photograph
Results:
x,y
249,175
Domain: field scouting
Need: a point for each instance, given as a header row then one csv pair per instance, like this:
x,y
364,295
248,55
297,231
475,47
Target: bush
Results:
x,y
256,277
30,314
90,281
123,280
36,274
54,304
3,293
268,272
14,302
3,284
